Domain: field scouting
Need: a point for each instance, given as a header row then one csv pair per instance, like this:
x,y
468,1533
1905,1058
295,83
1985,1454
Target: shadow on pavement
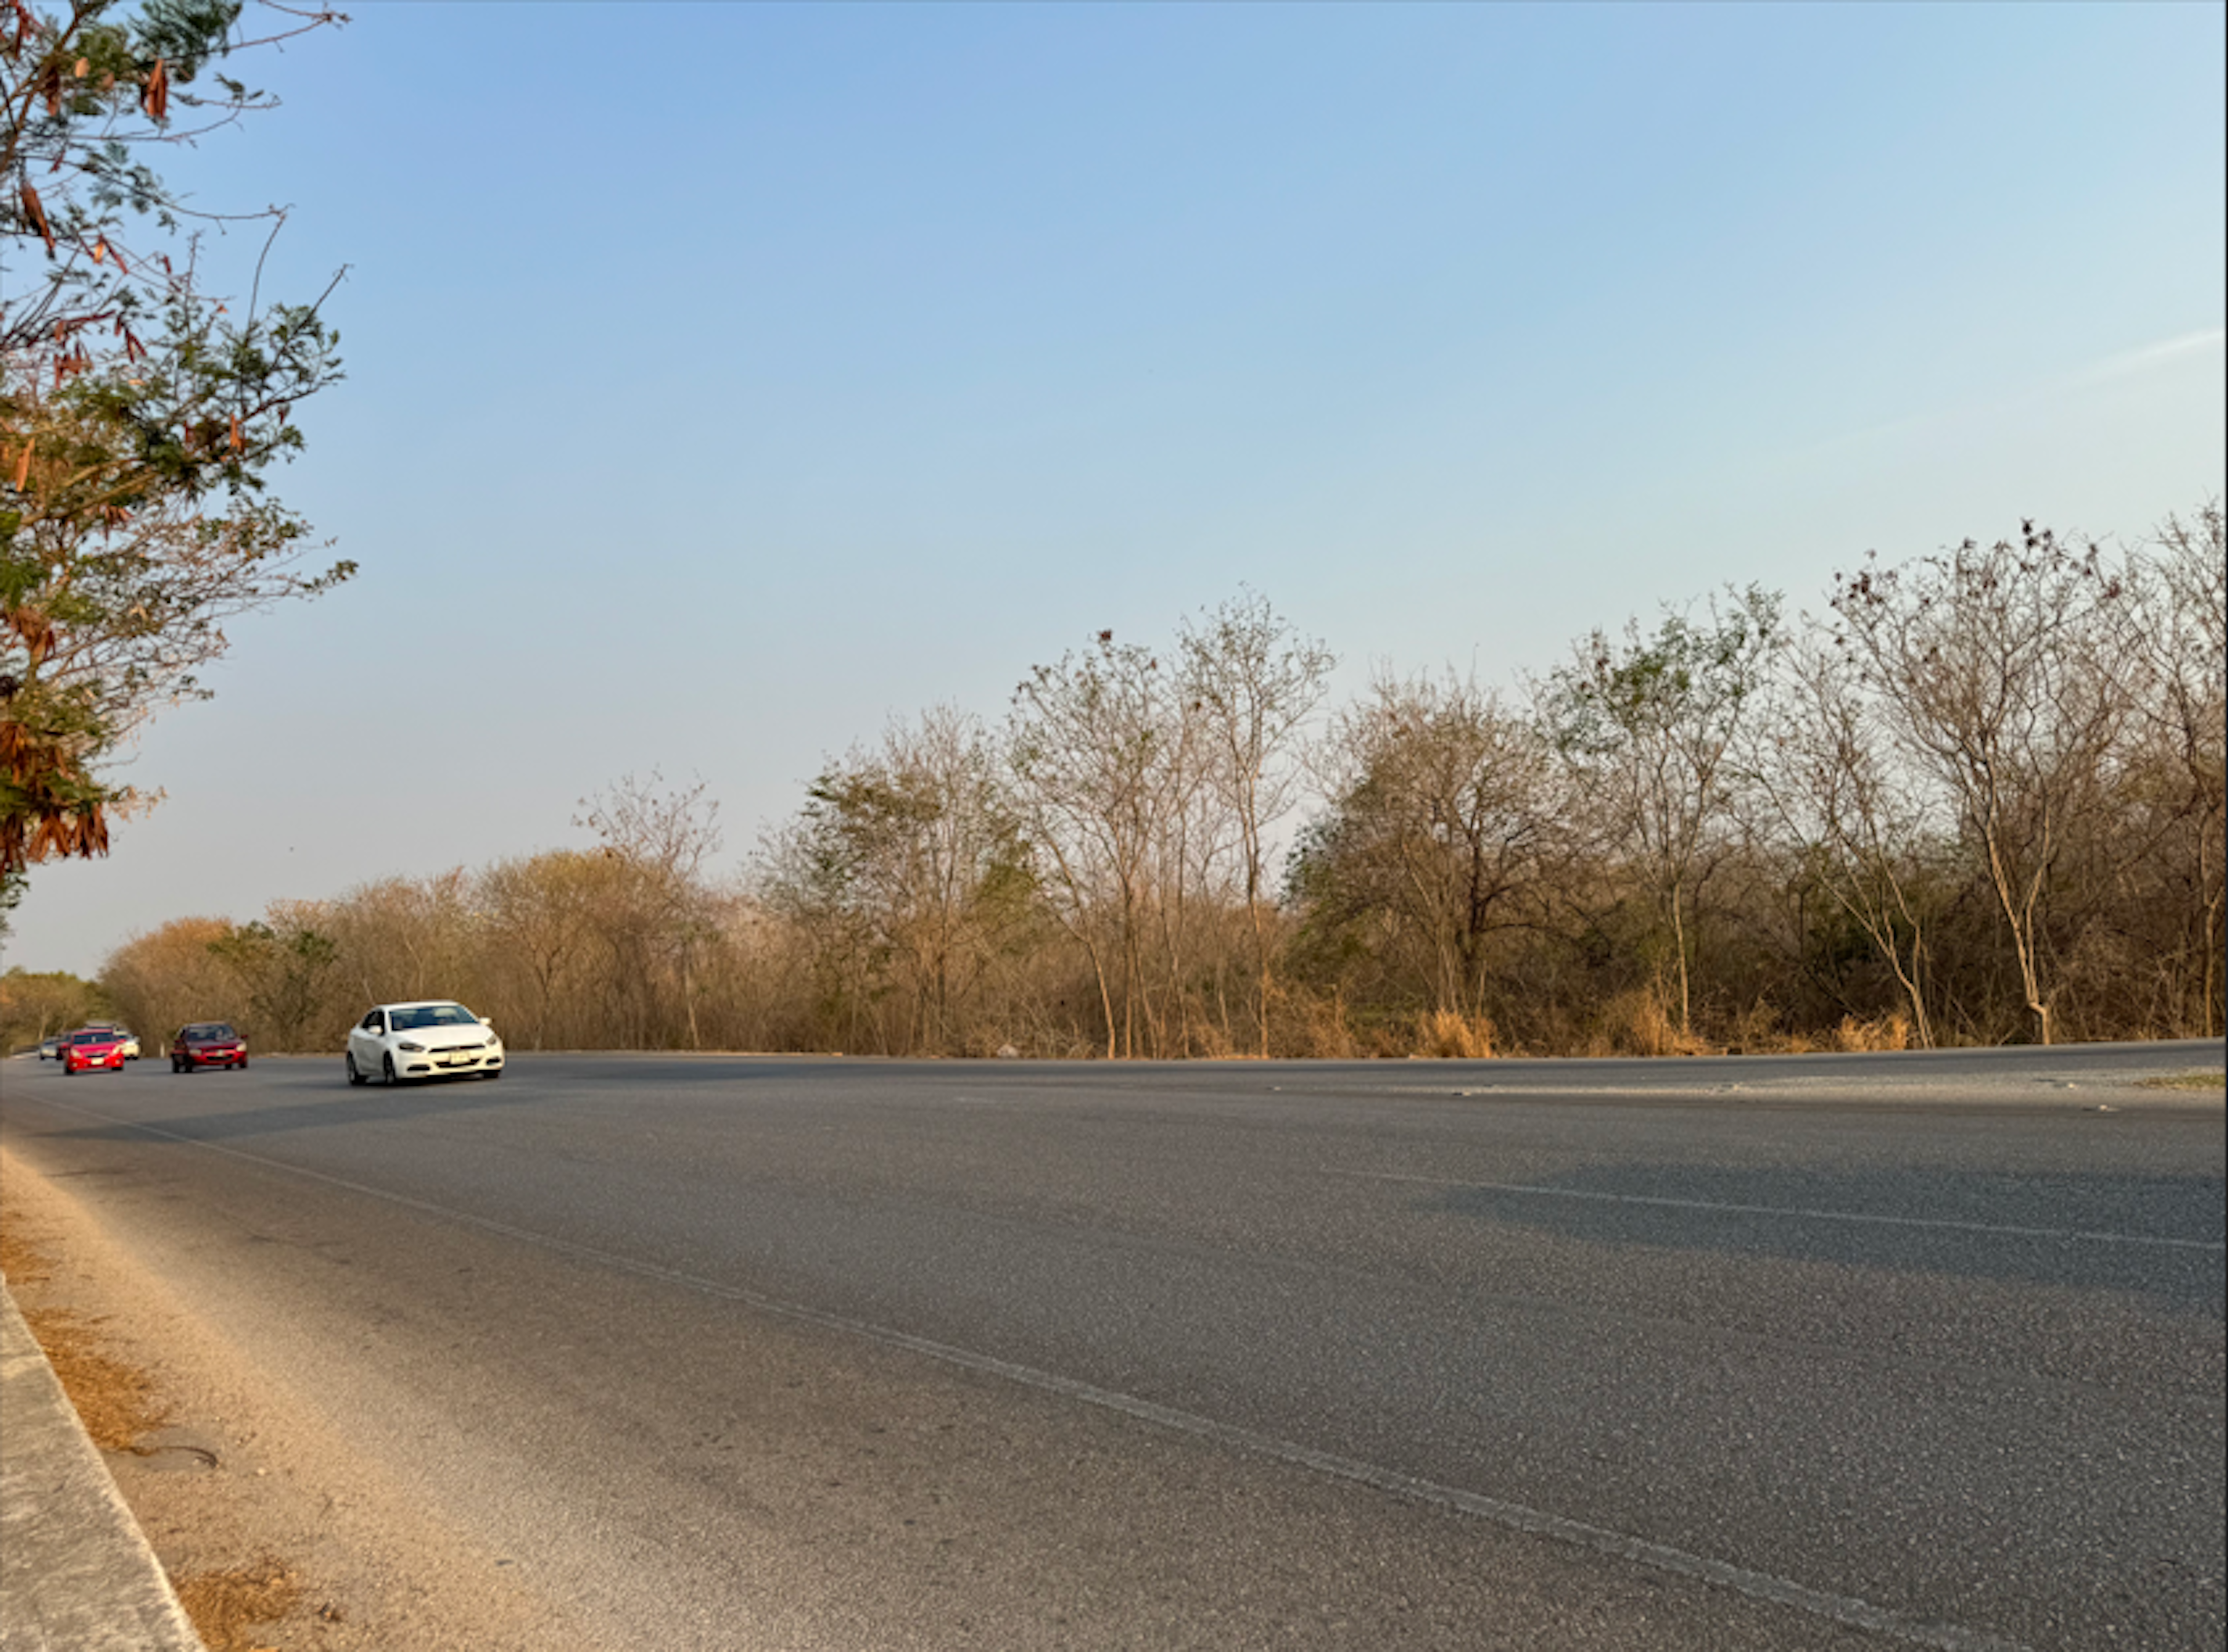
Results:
x,y
2158,1235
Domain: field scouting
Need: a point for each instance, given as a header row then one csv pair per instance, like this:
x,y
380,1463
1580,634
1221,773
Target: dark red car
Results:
x,y
91,1049
207,1044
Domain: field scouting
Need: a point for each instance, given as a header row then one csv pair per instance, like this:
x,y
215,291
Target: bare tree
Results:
x,y
1858,825
2000,670
538,917
662,836
1254,682
1097,750
2184,634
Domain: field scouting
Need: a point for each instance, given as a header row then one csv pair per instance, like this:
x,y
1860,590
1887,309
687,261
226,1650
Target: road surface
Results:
x,y
718,1352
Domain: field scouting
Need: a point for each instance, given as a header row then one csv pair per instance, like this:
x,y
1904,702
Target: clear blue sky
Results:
x,y
727,380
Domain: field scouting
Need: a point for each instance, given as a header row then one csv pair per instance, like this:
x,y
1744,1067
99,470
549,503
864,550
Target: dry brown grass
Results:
x,y
1315,1027
1756,1030
1636,1024
1884,1032
120,1407
2206,1080
117,1401
228,1607
1448,1035
22,1262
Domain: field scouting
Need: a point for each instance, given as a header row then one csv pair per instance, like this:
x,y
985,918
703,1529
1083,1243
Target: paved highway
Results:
x,y
732,1352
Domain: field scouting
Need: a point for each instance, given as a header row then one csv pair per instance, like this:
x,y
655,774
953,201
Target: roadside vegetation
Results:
x,y
146,414
1977,798
38,1005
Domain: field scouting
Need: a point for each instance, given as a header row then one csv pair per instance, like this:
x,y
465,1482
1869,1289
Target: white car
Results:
x,y
427,1039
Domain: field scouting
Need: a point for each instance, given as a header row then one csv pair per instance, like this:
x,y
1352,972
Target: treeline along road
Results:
x,y
1839,1350
1978,799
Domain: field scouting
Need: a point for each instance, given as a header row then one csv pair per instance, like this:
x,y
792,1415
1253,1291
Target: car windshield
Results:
x,y
92,1038
215,1030
433,1015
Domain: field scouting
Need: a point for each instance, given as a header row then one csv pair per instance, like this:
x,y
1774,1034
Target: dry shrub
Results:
x,y
1758,1029
1637,1025
1313,1026
1882,1032
1210,1041
1448,1035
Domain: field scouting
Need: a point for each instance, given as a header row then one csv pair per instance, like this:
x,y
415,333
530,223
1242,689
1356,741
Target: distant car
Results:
x,y
91,1049
50,1049
125,1036
427,1039
207,1044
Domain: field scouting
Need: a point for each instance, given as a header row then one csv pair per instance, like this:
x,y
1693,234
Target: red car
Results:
x,y
91,1049
207,1044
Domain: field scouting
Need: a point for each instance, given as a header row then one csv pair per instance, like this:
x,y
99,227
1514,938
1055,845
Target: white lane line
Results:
x,y
1794,1211
1845,1610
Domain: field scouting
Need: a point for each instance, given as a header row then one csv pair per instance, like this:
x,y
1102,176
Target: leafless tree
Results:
x,y
1099,751
1852,816
2001,671
1253,682
662,836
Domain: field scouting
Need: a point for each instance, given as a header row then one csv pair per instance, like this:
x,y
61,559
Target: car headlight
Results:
x,y
415,1050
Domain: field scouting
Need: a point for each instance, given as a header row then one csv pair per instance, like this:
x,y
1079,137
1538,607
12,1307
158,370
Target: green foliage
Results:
x,y
1687,684
142,415
34,1006
283,967
908,867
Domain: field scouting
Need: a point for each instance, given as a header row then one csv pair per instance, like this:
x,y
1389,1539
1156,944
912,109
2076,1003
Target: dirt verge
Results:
x,y
274,1538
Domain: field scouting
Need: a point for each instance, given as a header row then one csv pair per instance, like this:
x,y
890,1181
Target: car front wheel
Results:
x,y
387,1067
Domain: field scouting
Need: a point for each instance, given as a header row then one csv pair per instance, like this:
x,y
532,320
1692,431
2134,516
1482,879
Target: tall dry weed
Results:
x,y
1636,1024
1324,1029
1448,1035
1882,1032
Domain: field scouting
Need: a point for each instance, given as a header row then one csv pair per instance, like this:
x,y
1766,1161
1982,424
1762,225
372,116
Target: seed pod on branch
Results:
x,y
36,212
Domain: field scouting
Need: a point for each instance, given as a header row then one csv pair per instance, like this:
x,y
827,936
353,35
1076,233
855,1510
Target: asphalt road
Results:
x,y
727,1352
